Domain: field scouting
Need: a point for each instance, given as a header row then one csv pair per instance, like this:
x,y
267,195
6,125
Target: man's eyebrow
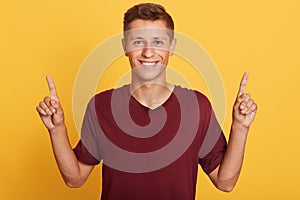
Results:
x,y
160,38
137,37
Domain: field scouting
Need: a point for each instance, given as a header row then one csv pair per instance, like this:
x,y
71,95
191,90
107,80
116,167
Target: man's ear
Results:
x,y
172,46
124,46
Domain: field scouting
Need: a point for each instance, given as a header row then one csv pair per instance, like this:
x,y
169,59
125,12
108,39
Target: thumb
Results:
x,y
238,101
57,106
240,98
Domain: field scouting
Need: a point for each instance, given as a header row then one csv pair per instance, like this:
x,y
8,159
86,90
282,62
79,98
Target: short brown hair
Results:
x,y
147,11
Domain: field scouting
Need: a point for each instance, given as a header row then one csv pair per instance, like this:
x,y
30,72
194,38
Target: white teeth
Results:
x,y
148,63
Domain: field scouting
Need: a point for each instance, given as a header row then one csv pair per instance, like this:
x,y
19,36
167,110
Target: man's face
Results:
x,y
148,46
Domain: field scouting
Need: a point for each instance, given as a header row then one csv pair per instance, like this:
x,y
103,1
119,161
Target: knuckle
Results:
x,y
255,106
47,101
38,108
42,104
250,102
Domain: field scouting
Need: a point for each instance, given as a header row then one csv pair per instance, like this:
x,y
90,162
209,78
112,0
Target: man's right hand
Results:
x,y
50,109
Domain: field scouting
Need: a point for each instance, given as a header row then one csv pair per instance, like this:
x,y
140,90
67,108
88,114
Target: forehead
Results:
x,y
147,24
147,28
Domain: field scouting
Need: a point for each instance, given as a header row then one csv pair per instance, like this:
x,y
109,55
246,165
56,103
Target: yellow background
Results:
x,y
54,37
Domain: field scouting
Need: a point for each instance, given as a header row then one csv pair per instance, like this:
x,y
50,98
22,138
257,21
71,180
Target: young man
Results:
x,y
128,127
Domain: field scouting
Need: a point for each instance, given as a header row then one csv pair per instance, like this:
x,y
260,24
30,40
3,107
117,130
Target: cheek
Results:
x,y
133,54
165,55
132,59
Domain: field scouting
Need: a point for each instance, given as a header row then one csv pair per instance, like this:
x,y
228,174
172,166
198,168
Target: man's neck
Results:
x,y
151,95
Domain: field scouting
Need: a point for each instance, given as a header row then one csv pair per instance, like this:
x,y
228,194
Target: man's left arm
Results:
x,y
226,174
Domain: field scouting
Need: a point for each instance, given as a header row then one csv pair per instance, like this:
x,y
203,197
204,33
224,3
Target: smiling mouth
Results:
x,y
148,63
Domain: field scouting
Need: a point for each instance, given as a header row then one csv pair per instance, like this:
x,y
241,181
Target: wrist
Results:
x,y
239,127
57,129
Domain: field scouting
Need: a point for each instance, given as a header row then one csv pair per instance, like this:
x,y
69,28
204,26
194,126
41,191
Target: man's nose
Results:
x,y
148,51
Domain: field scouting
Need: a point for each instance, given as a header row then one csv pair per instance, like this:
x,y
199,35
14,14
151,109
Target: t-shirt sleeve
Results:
x,y
87,150
84,155
213,146
214,158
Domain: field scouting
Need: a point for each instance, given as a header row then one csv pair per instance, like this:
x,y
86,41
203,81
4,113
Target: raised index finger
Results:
x,y
243,83
52,88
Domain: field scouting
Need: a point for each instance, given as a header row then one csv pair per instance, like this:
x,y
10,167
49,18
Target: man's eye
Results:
x,y
138,42
158,43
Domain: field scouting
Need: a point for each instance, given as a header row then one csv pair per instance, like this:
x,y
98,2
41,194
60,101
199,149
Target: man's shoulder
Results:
x,y
185,92
109,92
105,98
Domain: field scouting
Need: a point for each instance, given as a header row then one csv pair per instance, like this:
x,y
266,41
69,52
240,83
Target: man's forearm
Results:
x,y
65,157
232,162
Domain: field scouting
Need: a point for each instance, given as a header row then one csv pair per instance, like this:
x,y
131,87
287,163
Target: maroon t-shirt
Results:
x,y
150,153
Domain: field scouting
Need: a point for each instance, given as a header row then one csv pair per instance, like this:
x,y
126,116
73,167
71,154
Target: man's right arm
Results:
x,y
72,170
